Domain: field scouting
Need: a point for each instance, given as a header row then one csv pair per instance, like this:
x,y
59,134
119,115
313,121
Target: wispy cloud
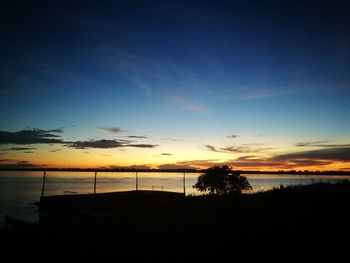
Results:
x,y
166,154
313,158
323,144
317,159
242,149
173,166
236,149
18,149
102,144
38,136
191,164
211,148
253,162
188,104
33,136
55,150
58,130
262,93
170,139
106,144
130,62
232,136
331,153
112,129
288,161
256,162
137,137
142,85
142,145
7,160
16,164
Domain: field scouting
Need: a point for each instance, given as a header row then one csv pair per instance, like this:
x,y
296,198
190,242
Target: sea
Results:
x,y
19,190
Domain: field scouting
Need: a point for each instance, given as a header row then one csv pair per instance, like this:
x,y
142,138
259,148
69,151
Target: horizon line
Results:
x,y
188,170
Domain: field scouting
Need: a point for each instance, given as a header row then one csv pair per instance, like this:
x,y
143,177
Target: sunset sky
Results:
x,y
256,85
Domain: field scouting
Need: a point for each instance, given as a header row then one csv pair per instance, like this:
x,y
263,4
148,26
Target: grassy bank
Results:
x,y
300,224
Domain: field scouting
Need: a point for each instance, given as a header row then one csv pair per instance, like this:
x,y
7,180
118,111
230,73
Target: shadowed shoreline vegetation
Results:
x,y
296,223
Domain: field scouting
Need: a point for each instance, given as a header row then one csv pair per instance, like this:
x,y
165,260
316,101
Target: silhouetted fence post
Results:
x,y
43,188
137,181
184,179
95,183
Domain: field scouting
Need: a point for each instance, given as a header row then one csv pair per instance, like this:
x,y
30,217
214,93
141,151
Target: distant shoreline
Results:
x,y
293,172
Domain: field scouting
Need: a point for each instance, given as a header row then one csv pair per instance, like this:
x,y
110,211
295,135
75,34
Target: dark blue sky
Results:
x,y
178,69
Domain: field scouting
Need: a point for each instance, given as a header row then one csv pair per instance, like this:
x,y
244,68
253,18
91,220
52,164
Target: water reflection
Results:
x,y
19,190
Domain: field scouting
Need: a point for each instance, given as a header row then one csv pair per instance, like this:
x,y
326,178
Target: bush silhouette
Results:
x,y
222,180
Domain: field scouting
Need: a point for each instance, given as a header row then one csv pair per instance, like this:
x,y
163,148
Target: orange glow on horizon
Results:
x,y
44,157
338,166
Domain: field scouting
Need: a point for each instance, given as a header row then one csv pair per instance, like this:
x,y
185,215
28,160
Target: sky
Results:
x,y
256,85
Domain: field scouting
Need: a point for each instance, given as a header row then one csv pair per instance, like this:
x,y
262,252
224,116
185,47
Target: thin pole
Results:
x,y
184,183
43,188
137,181
95,182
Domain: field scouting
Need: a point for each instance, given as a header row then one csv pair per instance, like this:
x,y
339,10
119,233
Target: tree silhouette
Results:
x,y
222,180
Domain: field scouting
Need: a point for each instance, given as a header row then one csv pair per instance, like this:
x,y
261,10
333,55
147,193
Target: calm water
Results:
x,y
19,190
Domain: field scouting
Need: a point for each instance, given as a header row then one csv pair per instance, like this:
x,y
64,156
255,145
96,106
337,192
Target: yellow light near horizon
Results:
x,y
179,154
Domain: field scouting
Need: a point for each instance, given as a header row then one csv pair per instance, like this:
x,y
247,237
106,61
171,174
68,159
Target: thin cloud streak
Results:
x,y
320,144
289,161
131,63
255,94
192,164
9,164
112,129
18,149
142,145
172,166
107,144
257,163
335,154
33,136
294,160
7,160
188,104
142,86
38,136
102,144
235,149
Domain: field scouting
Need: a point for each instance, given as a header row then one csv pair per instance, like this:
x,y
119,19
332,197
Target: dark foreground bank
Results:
x,y
295,224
